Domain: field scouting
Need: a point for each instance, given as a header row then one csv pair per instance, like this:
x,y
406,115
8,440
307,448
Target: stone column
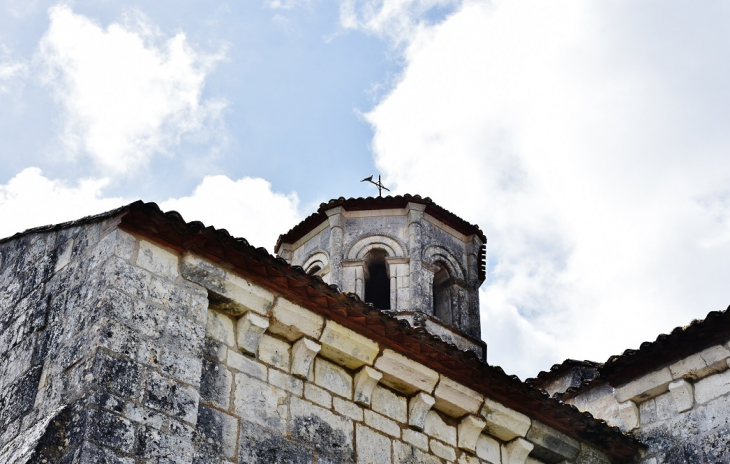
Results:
x,y
419,294
472,279
337,232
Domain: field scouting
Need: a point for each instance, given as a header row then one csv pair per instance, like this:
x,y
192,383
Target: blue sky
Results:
x,y
588,139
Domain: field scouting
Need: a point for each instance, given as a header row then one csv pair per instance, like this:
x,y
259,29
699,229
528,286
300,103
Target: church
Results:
x,y
134,336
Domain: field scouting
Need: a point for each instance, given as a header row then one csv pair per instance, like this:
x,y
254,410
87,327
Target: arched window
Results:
x,y
314,269
377,282
442,294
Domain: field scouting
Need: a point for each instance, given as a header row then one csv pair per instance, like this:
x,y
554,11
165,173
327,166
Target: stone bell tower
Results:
x,y
404,254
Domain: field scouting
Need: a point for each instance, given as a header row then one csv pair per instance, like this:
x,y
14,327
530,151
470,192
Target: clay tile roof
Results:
x,y
217,245
559,370
387,202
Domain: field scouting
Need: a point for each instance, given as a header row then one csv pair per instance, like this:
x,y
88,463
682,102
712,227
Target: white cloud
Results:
x,y
127,92
245,207
395,20
592,151
31,200
13,71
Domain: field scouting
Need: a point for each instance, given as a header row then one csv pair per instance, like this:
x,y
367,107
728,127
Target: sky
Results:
x,y
588,139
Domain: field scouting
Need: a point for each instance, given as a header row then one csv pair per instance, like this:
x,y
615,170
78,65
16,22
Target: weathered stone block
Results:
x,y
503,422
516,451
372,447
716,356
348,409
365,381
220,327
168,396
416,439
551,445
246,365
215,384
455,399
683,394
110,430
333,378
404,374
693,367
275,352
647,386
406,454
294,322
303,353
488,449
326,432
469,430
317,395
286,382
711,387
260,446
216,433
261,403
249,329
182,366
346,347
418,408
442,450
382,423
389,404
628,415
435,427
157,259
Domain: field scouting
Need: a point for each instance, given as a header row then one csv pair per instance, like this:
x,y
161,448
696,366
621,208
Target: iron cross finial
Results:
x,y
378,184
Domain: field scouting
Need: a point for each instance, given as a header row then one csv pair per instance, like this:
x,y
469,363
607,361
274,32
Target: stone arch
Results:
x,y
438,254
393,247
317,259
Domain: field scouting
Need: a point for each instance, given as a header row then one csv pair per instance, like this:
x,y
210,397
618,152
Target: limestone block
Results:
x,y
333,378
390,404
468,459
711,387
628,415
248,366
503,422
365,381
715,357
551,445
157,260
488,449
404,374
317,395
372,447
693,367
348,409
328,432
647,386
683,394
238,295
455,399
250,327
418,408
293,321
469,430
435,427
443,451
303,353
410,454
665,407
382,423
286,382
516,451
274,352
260,403
346,347
416,439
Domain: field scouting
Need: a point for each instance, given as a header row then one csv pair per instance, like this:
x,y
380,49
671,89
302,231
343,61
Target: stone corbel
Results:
x,y
516,451
365,381
249,329
683,394
418,408
629,414
303,353
469,429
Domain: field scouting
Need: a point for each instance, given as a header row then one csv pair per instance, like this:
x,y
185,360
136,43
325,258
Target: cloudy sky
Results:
x,y
589,140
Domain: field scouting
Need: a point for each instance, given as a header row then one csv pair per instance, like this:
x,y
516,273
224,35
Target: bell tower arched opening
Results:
x,y
377,281
442,294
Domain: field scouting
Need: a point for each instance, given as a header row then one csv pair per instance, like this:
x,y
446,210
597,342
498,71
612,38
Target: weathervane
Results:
x,y
378,184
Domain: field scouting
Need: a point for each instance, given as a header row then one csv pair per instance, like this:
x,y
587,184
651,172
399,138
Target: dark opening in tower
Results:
x,y
442,294
377,282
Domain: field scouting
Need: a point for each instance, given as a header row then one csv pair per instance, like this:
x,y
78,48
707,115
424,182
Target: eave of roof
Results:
x,y
387,202
559,370
463,366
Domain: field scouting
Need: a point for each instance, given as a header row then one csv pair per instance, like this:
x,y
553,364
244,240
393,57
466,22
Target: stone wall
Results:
x,y
681,411
120,350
